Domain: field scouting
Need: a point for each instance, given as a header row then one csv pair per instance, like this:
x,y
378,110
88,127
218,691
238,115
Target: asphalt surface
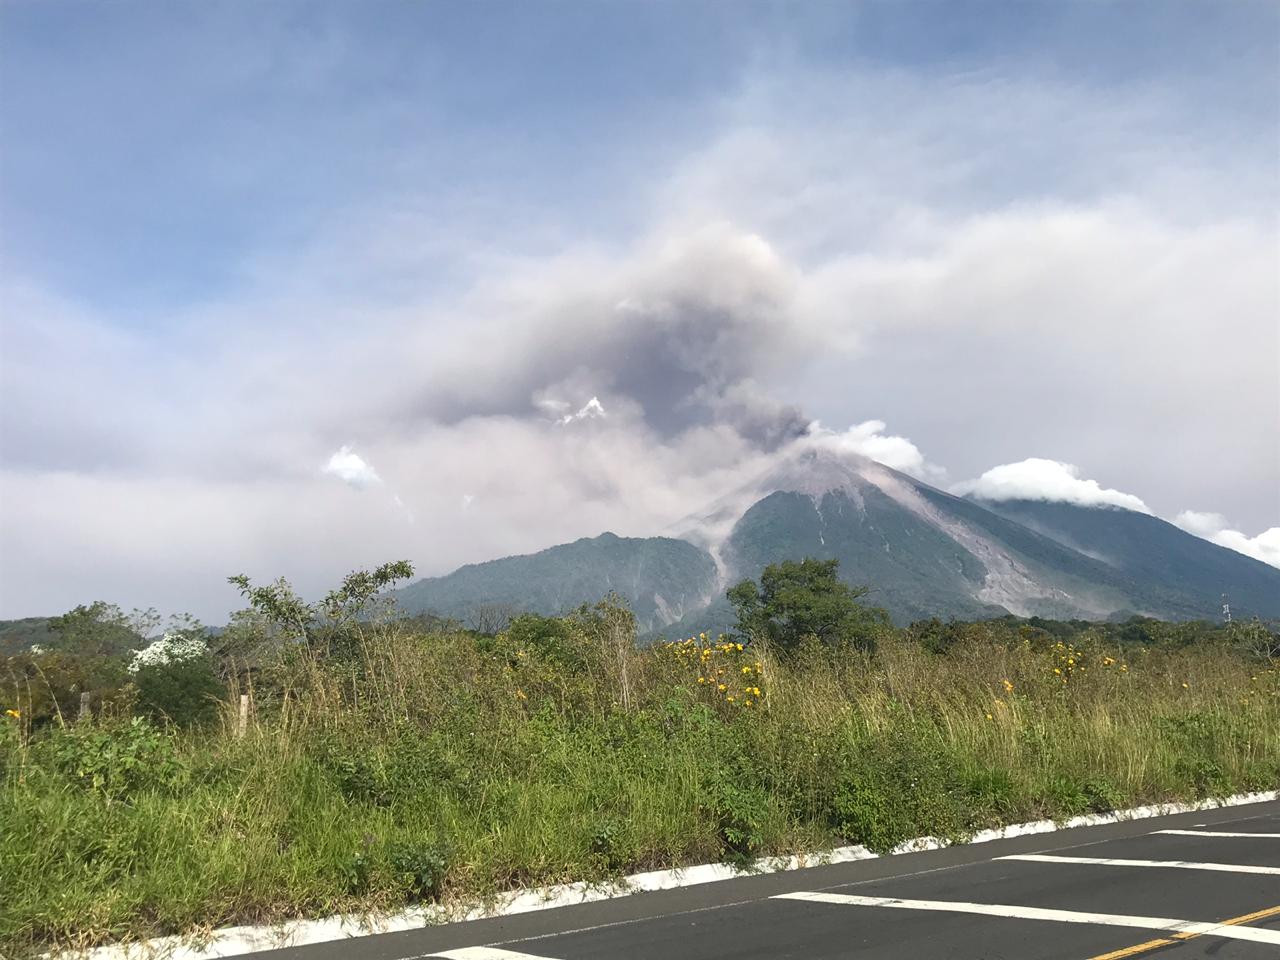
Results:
x,y
963,903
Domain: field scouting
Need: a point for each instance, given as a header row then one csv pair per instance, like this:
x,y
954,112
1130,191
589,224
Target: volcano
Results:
x,y
922,552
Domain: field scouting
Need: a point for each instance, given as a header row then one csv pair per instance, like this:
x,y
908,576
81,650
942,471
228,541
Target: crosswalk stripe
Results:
x,y
1252,934
1217,833
486,953
1179,864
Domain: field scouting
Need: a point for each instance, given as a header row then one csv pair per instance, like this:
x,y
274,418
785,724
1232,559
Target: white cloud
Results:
x,y
1051,480
869,439
352,469
1214,528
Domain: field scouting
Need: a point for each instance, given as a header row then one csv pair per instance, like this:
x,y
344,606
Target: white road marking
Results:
x,y
1253,934
1181,864
485,953
1217,833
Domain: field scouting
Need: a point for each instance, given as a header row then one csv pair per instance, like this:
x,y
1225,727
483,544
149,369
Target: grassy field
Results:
x,y
445,766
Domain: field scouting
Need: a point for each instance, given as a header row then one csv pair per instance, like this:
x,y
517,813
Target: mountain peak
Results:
x,y
815,471
811,470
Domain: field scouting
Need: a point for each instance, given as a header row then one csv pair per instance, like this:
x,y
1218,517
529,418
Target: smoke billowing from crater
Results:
x,y
678,336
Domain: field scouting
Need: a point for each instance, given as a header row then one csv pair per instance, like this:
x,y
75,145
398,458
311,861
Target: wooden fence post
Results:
x,y
242,723
85,711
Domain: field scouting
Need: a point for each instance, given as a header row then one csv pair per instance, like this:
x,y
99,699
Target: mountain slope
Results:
x,y
923,552
662,579
1181,571
17,636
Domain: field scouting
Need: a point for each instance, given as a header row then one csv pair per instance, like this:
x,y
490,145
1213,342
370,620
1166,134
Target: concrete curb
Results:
x,y
236,941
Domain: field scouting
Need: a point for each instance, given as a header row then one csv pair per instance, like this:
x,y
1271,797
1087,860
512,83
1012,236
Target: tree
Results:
x,y
176,680
490,619
808,598
935,635
101,629
1258,640
326,627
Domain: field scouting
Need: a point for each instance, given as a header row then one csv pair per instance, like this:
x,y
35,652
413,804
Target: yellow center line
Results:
x,y
1139,948
1133,951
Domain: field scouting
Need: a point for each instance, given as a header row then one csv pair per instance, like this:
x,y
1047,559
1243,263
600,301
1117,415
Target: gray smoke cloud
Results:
x,y
679,336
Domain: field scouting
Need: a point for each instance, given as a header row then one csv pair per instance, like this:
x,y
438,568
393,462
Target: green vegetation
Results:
x,y
387,762
806,598
661,578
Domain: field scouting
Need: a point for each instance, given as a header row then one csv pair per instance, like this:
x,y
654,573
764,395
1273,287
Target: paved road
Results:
x,y
1194,885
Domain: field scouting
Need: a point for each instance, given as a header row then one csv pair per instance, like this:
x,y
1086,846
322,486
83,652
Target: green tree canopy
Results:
x,y
806,598
328,627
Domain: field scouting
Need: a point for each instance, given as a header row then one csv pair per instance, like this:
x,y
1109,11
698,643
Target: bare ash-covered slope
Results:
x,y
1185,574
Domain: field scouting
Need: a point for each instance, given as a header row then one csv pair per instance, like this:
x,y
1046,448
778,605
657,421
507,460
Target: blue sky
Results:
x,y
152,148
215,213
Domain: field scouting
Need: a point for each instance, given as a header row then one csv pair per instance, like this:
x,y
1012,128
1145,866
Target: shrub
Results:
x,y
739,812
901,784
118,760
184,692
420,868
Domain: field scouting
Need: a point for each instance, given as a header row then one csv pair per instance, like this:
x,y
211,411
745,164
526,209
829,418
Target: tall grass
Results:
x,y
445,766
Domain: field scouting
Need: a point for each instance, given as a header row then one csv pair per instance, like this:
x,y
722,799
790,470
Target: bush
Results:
x,y
553,639
902,784
420,868
740,812
118,761
183,692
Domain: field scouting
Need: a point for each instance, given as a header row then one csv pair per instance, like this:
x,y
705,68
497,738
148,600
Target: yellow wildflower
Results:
x,y
16,714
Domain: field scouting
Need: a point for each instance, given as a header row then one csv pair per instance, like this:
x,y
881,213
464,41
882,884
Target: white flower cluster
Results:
x,y
168,649
36,649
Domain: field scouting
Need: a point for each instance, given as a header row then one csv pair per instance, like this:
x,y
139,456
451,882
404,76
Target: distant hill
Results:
x,y
17,636
662,578
922,551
